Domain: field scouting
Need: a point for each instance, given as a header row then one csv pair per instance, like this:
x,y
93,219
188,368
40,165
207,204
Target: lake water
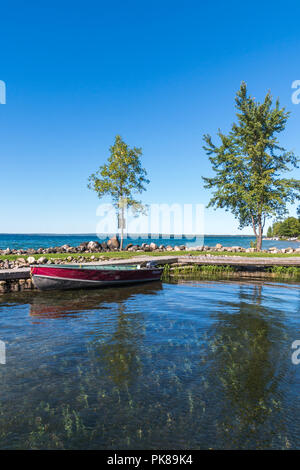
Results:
x,y
194,365
36,241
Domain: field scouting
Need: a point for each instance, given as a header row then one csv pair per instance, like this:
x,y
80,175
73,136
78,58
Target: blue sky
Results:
x,y
160,73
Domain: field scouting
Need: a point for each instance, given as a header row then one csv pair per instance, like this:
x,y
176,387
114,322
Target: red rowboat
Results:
x,y
75,276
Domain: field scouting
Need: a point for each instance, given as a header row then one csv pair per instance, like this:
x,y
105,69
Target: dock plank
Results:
x,y
239,261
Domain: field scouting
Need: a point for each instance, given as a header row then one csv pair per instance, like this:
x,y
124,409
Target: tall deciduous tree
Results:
x,y
249,163
122,177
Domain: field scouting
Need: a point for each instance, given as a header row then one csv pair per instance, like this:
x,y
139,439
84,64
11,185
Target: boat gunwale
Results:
x,y
96,267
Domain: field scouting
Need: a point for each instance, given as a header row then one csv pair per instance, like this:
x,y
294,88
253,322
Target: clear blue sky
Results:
x,y
160,73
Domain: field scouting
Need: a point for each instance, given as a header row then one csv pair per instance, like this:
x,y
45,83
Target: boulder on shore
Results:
x,y
64,247
236,248
113,243
83,245
133,247
93,246
153,246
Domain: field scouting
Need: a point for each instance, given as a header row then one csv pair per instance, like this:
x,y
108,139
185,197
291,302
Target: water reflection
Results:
x,y
58,304
120,352
247,358
195,365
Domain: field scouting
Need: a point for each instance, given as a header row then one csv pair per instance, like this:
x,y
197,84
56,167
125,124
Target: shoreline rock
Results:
x,y
25,257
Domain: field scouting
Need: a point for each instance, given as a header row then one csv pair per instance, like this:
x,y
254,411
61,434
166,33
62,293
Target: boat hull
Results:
x,y
48,277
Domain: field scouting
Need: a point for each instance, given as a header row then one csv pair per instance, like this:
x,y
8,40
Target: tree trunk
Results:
x,y
253,226
259,236
122,227
254,231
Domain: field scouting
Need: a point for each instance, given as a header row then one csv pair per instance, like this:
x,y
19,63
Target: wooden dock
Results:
x,y
19,279
240,261
14,274
237,261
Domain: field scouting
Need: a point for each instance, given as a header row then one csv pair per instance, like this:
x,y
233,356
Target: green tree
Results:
x,y
122,177
290,227
249,162
276,228
269,232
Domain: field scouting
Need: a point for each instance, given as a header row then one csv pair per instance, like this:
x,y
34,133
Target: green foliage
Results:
x,y
195,270
248,164
121,178
285,271
203,271
289,227
270,232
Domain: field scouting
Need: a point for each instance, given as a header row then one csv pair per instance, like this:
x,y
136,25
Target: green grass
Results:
x,y
64,256
285,271
131,254
195,270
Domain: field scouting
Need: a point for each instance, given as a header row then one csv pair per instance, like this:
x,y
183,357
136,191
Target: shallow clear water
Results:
x,y
25,241
191,365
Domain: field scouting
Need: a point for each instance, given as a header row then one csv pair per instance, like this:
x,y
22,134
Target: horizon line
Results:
x,y
95,235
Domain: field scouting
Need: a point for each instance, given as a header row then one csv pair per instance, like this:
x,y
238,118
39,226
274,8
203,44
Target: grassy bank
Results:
x,y
64,256
132,254
284,271
195,272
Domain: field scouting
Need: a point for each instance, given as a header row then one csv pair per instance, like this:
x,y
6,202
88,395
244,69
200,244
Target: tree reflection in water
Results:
x,y
117,351
195,365
247,363
120,353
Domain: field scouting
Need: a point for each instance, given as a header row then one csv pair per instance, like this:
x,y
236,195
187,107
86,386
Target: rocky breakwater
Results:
x,y
20,258
23,258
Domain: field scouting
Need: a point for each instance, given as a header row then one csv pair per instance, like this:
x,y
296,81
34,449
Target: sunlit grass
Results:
x,y
132,254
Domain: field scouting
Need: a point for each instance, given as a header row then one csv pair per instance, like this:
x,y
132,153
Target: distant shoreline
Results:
x,y
133,234
36,241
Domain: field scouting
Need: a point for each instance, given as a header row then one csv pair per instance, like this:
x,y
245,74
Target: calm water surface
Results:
x,y
183,366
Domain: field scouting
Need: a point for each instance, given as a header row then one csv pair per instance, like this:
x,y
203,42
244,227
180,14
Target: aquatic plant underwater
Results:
x,y
194,365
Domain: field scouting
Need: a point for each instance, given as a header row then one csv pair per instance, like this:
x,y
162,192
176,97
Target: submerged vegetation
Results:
x,y
147,367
